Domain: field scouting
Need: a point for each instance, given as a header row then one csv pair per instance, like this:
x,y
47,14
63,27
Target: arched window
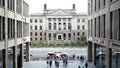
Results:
x,y
59,26
64,26
50,27
49,36
54,26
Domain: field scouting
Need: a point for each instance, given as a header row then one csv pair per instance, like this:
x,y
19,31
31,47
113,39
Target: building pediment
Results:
x,y
59,12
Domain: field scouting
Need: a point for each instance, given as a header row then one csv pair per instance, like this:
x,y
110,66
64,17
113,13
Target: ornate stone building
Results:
x,y
54,25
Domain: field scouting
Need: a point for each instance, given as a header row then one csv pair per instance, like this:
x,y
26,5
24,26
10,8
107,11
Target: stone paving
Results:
x,y
42,64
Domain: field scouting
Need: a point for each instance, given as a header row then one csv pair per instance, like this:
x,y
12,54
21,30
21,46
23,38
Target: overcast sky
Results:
x,y
36,6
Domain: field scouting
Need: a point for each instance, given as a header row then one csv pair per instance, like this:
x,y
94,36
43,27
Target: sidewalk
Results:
x,y
42,64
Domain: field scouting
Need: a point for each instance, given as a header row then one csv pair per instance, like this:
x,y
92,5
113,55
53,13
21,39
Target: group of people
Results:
x,y
49,62
65,61
86,65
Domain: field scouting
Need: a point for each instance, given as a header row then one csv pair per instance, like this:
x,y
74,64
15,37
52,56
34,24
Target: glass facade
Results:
x,y
100,56
115,58
1,59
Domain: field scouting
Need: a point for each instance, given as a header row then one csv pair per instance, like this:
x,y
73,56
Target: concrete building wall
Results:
x,y
14,29
103,29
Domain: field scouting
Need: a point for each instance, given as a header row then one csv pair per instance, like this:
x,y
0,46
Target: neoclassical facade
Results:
x,y
54,25
14,32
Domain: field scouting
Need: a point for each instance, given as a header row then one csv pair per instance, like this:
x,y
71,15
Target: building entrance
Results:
x,y
59,37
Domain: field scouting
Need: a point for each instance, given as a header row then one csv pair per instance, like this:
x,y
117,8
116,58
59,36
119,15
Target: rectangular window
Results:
x,y
40,38
0,26
59,19
45,34
83,27
40,27
104,23
111,21
99,26
91,27
83,20
119,24
111,0
31,39
78,20
3,27
35,39
35,20
19,6
50,27
25,9
54,26
83,33
54,19
31,21
10,4
104,2
35,33
95,5
95,28
40,20
78,33
78,27
35,27
69,19
49,19
25,29
99,4
59,26
64,26
2,3
40,33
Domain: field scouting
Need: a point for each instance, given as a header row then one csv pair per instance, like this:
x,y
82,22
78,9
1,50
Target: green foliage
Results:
x,y
83,38
57,44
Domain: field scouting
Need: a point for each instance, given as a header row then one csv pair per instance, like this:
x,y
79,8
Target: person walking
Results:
x,y
56,64
86,65
50,62
79,67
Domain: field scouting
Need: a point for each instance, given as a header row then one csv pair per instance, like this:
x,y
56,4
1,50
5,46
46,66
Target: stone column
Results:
x,y
89,51
5,58
5,51
21,59
27,51
94,54
108,58
15,57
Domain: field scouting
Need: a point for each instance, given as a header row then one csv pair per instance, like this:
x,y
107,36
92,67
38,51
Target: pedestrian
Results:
x,y
86,65
50,62
79,67
56,64
19,62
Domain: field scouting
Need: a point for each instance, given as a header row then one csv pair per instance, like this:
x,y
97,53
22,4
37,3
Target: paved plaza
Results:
x,y
42,52
42,64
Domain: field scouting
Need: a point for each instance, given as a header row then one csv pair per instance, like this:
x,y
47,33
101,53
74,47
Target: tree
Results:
x,y
83,38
